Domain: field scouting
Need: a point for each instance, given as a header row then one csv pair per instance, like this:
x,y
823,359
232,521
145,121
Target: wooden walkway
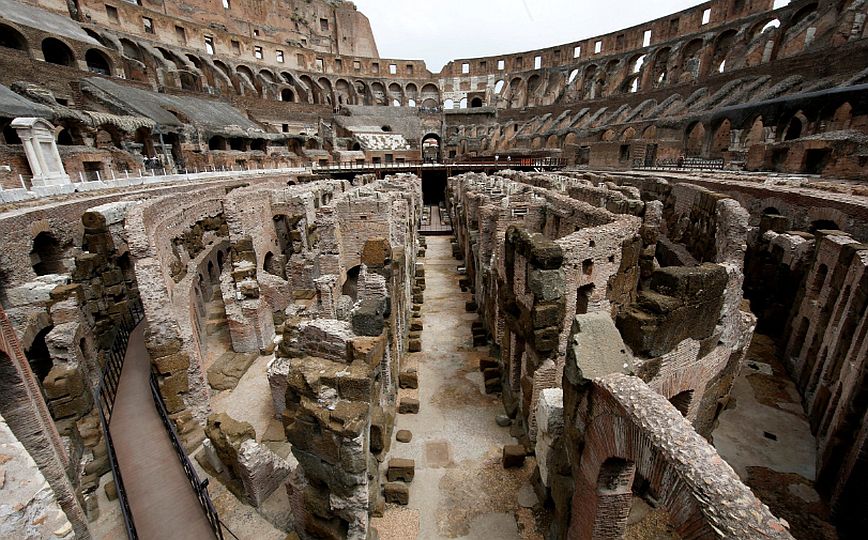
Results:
x,y
163,503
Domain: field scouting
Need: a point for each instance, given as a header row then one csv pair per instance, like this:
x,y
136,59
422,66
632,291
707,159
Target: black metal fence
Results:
x,y
690,163
105,400
200,487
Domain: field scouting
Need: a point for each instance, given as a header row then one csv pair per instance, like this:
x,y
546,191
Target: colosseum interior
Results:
x,y
260,283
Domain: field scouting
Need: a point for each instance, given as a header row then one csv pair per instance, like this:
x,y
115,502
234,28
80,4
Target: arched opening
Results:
x,y
217,143
10,135
272,266
38,356
695,140
431,148
771,211
11,38
614,496
476,103
131,50
823,225
46,256
583,298
682,401
463,103
498,86
449,104
350,286
287,95
64,137
794,129
98,62
57,52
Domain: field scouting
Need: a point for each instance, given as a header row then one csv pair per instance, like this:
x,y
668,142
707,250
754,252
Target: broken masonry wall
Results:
x,y
31,506
152,229
826,353
339,377
628,431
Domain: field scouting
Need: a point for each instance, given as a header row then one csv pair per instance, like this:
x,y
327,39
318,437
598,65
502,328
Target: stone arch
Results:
x,y
429,93
378,93
217,142
723,46
650,132
659,69
628,134
694,139
343,92
690,60
608,135
476,102
795,128
755,132
722,138
396,92
131,50
432,147
315,93
326,86
411,91
11,38
56,51
287,95
517,95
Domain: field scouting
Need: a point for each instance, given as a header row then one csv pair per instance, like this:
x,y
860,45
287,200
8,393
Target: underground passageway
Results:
x,y
461,489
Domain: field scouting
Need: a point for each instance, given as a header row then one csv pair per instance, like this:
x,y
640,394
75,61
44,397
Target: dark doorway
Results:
x,y
47,255
816,160
433,187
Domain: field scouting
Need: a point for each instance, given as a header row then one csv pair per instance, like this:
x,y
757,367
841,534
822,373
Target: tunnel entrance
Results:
x,y
433,187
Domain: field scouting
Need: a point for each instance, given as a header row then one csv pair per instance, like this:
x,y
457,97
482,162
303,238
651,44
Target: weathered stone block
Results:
x,y
513,455
400,469
546,285
408,379
397,493
408,406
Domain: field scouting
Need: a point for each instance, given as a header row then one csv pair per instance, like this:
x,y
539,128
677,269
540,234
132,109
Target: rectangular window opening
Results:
x,y
226,4
706,16
465,68
209,44
598,47
646,38
320,64
112,13
537,62
148,23
257,52
577,52
181,34
393,69
236,46
324,25
501,65
278,55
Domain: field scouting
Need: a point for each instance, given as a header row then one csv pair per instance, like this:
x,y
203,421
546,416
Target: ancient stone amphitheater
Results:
x,y
259,282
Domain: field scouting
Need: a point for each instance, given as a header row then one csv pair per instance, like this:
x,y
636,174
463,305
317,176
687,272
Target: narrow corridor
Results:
x,y
460,490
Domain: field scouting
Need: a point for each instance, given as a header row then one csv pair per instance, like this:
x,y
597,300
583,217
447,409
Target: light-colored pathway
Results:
x,y
163,503
461,489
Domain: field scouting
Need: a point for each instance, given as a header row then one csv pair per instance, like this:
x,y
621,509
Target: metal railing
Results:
x,y
200,487
681,164
414,164
105,399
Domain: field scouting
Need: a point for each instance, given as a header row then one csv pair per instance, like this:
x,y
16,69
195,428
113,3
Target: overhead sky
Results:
x,y
438,31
